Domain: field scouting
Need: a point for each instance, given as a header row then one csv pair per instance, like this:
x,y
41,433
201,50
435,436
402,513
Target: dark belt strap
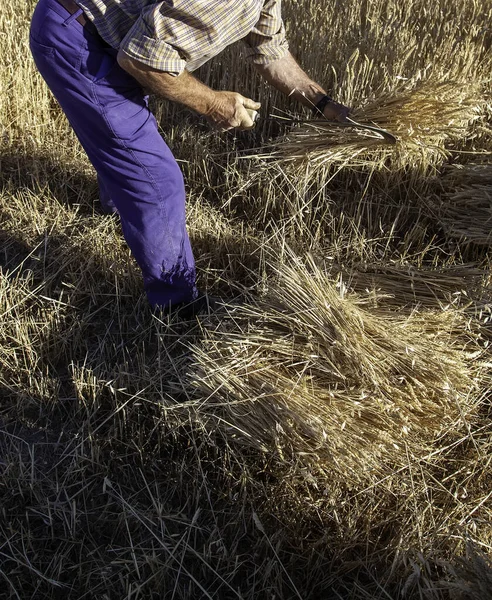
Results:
x,y
73,8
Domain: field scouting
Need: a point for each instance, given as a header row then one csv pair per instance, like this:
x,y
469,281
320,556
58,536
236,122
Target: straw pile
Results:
x,y
318,374
406,284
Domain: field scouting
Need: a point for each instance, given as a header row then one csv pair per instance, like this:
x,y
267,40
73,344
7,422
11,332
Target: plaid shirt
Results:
x,y
183,34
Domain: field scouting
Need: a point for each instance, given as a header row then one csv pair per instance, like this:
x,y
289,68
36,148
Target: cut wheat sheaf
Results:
x,y
426,119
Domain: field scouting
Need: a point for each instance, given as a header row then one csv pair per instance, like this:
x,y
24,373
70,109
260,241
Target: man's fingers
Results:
x,y
336,111
248,118
253,114
251,108
251,104
234,111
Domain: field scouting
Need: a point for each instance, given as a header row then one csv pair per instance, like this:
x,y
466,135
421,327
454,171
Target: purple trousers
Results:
x,y
108,111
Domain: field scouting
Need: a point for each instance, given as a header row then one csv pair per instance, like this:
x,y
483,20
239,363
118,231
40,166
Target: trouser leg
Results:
x,y
108,111
107,204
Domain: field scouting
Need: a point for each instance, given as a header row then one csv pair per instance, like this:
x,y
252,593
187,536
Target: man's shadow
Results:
x,y
67,183
93,309
74,309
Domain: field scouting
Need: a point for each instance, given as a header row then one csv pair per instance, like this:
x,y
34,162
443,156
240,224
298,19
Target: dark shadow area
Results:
x,y
98,324
13,253
64,181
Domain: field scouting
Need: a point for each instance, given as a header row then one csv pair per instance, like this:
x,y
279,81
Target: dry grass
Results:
x,y
330,436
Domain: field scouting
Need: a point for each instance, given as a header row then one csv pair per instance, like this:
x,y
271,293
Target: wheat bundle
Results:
x,y
425,119
405,284
465,208
317,375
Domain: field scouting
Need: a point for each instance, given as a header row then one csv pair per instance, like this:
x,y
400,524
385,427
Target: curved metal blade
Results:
x,y
386,135
389,137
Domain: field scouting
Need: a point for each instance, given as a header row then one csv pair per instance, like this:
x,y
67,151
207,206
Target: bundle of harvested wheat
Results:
x,y
425,118
315,374
465,208
406,284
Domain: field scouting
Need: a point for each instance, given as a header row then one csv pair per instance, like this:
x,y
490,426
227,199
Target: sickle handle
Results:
x,y
254,115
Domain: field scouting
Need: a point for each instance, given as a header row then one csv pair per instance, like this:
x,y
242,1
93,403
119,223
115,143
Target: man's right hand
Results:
x,y
225,110
229,110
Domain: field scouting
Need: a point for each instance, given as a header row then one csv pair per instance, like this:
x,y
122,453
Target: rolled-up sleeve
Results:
x,y
151,39
266,42
174,35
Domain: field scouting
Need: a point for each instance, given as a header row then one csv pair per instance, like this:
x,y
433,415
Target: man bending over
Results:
x,y
101,57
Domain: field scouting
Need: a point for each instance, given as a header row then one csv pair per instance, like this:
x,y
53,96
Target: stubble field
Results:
x,y
328,438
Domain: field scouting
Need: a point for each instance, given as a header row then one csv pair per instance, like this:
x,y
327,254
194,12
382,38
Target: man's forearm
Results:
x,y
287,76
225,110
184,88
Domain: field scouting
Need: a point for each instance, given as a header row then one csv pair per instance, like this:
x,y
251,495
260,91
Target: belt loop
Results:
x,y
73,17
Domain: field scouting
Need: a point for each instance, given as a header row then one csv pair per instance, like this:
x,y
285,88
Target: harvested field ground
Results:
x,y
329,438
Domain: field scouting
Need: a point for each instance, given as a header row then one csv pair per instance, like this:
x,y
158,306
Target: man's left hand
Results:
x,y
334,111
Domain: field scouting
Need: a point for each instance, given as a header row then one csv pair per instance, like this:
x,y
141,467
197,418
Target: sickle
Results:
x,y
386,135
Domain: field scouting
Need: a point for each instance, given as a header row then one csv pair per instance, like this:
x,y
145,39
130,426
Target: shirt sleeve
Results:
x,y
266,42
153,39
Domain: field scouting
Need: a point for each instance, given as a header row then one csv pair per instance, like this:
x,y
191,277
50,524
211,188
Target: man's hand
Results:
x,y
334,111
229,111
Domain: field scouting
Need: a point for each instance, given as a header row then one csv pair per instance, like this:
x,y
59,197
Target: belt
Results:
x,y
72,8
